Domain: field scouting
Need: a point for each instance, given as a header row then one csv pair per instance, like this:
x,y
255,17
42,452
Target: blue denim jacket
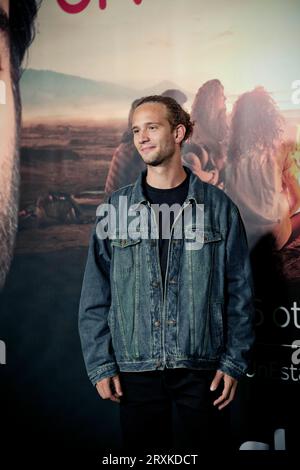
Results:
x,y
202,319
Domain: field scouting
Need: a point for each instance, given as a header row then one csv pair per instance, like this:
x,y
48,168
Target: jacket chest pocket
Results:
x,y
126,253
200,247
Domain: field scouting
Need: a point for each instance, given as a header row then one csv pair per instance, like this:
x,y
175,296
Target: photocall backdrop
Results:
x,y
235,66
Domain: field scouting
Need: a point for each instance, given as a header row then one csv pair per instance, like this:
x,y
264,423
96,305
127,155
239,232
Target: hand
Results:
x,y
229,388
110,388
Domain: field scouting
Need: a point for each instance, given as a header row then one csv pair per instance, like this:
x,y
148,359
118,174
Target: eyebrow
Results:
x,y
147,124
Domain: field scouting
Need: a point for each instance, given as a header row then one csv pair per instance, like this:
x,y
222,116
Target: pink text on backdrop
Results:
x,y
82,4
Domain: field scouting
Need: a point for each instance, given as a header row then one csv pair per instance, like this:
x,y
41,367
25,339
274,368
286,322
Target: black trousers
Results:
x,y
172,409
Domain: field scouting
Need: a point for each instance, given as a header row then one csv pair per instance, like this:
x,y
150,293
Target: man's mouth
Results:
x,y
147,148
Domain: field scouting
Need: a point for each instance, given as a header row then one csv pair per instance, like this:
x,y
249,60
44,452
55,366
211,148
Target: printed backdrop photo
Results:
x,y
235,67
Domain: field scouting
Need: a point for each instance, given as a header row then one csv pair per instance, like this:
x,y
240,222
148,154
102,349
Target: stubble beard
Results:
x,y
9,219
9,196
156,162
159,159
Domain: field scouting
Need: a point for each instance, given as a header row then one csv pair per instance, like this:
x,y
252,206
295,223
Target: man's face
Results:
x,y
8,151
152,133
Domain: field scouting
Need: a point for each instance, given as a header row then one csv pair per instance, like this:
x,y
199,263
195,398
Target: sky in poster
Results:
x,y
244,44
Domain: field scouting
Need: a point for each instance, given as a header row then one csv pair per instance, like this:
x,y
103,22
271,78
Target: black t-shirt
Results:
x,y
176,195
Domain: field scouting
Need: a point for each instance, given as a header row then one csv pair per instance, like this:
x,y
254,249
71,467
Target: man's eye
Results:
x,y
135,131
152,128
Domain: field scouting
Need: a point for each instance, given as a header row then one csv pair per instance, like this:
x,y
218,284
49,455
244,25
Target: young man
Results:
x,y
16,33
164,322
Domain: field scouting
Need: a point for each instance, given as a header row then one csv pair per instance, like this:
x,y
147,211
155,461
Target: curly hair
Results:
x,y
206,112
176,114
256,124
21,28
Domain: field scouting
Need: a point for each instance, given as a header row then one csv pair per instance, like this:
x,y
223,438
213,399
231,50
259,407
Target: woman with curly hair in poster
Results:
x,y
260,175
210,134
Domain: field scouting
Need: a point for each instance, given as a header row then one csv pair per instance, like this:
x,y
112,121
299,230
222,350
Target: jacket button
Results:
x,y
157,323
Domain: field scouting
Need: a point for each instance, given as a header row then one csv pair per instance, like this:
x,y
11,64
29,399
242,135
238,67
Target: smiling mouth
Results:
x,y
147,149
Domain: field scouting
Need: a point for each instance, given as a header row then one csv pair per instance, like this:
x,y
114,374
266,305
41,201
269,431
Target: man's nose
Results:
x,y
143,135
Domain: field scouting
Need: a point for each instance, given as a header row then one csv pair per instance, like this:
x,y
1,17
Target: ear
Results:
x,y
180,131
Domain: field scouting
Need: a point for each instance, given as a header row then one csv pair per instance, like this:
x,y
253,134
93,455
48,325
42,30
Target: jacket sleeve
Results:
x,y
94,307
239,305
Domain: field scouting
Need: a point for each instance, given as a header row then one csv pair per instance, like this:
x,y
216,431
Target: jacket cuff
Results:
x,y
107,370
228,367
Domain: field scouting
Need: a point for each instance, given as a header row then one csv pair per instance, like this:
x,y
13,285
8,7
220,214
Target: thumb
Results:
x,y
117,385
216,380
